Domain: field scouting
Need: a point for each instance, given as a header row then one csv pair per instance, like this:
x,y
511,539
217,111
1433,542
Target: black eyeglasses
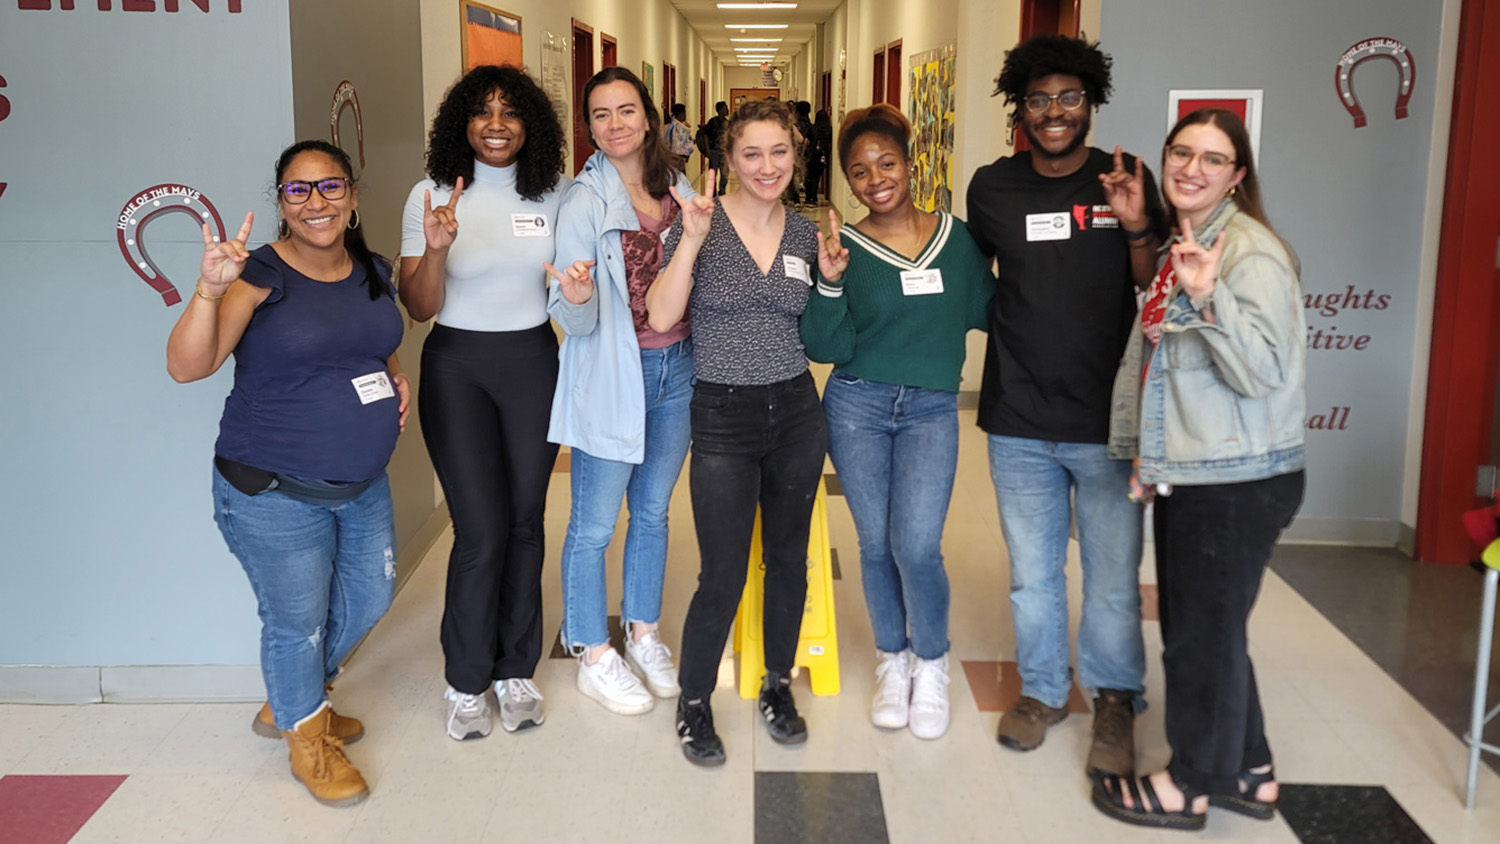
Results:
x,y
1039,102
296,193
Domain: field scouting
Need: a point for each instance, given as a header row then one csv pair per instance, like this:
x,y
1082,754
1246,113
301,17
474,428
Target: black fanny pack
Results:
x,y
253,481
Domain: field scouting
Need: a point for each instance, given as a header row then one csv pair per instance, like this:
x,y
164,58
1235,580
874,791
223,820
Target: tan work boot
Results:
x,y
1025,725
318,760
1113,750
345,729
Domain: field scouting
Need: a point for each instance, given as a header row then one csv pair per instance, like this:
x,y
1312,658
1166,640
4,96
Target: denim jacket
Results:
x,y
1221,402
600,402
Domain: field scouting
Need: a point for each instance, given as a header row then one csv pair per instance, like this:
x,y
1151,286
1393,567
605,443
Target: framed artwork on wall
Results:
x,y
490,36
1245,102
648,76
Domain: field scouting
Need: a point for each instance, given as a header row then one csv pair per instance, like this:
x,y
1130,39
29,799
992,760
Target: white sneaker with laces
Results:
x,y
520,703
929,698
892,691
610,682
468,715
653,662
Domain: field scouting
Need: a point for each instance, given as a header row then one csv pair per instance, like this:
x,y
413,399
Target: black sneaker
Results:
x,y
786,726
695,728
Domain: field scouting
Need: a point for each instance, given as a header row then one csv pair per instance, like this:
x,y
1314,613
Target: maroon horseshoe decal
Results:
x,y
344,96
147,206
1363,51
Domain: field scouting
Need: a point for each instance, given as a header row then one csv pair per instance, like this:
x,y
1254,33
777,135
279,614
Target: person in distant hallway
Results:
x,y
679,136
896,294
819,151
713,139
474,237
1074,231
299,483
1211,398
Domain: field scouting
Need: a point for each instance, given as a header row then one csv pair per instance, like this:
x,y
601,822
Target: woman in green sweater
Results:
x,y
896,294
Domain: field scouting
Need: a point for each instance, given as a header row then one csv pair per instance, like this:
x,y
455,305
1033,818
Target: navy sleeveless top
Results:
x,y
294,408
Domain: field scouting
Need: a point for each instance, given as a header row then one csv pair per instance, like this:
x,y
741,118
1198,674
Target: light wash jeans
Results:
x,y
1033,481
598,487
896,452
322,577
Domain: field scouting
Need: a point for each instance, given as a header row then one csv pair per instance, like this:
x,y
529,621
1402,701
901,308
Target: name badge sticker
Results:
x,y
530,225
1052,225
373,387
921,282
796,268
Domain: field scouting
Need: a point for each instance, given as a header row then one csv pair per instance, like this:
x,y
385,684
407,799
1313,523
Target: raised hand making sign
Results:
x,y
148,205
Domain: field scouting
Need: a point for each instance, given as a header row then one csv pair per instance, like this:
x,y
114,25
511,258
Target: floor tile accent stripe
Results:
x,y
50,809
817,807
1345,814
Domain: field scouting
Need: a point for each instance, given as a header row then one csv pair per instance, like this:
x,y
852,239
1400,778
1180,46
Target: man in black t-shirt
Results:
x,y
713,132
1074,231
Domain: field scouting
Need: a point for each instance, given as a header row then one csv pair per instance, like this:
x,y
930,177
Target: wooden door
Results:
x,y
583,70
878,93
609,51
893,73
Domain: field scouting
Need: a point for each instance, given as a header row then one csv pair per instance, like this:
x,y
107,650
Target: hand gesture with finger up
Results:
x,y
223,262
1197,268
440,224
1126,192
698,212
574,281
833,257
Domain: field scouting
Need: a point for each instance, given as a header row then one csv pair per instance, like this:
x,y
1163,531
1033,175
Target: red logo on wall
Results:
x,y
1374,48
147,206
344,96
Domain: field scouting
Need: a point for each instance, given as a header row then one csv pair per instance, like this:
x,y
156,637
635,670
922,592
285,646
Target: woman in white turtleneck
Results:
x,y
474,238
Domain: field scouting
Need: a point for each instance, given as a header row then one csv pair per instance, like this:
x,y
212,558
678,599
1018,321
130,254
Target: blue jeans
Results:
x,y
322,577
896,451
599,484
1033,479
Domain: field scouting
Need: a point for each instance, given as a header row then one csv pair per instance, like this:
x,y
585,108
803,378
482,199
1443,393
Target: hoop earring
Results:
x,y
283,229
354,219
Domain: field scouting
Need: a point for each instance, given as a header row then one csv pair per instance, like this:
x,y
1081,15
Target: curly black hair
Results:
x,y
541,160
1044,55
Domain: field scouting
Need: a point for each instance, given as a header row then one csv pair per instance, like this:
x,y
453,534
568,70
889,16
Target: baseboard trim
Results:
x,y
1406,540
1382,533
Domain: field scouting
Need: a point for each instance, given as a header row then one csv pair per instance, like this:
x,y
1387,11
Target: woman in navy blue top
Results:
x,y
300,491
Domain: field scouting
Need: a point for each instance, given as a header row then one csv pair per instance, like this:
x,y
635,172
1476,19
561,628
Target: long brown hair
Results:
x,y
658,164
771,111
1247,196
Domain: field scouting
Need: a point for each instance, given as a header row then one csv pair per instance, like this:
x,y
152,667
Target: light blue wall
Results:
x,y
110,555
1349,200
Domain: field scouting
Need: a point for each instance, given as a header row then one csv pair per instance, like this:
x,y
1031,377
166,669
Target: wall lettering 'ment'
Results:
x,y
231,6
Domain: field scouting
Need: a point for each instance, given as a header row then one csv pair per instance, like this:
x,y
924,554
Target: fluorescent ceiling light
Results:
x,y
757,5
755,49
755,40
755,26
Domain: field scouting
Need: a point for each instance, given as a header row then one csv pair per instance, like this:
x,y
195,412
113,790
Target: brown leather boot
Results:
x,y
345,729
1113,748
318,760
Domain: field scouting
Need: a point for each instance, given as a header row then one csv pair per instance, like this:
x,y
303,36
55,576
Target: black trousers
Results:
x,y
1212,546
485,400
751,445
811,182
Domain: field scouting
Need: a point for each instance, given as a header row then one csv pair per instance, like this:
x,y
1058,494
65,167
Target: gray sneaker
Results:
x,y
520,704
468,715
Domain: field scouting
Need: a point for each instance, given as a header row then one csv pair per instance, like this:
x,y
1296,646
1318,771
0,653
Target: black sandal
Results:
x,y
1244,802
1148,810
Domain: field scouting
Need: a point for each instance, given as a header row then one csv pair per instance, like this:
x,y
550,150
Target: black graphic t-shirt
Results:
x,y
1065,301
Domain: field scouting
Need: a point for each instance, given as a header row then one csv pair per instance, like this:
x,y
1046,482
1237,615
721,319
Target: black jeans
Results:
x,y
716,163
751,445
1212,546
813,180
484,402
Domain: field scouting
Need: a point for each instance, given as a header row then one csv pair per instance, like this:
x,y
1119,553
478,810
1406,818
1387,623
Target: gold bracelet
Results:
x,y
198,291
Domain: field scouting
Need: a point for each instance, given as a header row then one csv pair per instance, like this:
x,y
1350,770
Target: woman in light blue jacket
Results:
x,y
1210,398
623,390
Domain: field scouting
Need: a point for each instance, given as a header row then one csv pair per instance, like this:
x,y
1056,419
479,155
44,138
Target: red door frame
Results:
x,y
878,92
893,74
583,70
1466,308
609,50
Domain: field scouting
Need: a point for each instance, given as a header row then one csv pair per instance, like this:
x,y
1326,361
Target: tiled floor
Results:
x,y
195,773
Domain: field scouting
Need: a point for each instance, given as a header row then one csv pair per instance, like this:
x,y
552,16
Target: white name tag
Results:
x,y
1049,226
921,282
373,387
796,268
530,225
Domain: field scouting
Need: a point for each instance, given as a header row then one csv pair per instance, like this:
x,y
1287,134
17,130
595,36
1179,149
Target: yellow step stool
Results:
x,y
818,646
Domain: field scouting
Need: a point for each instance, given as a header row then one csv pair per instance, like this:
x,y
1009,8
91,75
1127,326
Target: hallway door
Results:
x,y
583,70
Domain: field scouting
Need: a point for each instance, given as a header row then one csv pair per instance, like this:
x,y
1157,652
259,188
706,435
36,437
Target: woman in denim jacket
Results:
x,y
1210,398
622,391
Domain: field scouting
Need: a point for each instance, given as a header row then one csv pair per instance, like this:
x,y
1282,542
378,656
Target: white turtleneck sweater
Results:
x,y
494,279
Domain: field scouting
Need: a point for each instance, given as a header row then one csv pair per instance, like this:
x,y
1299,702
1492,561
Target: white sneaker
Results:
x,y
893,690
610,682
520,703
468,715
929,698
651,659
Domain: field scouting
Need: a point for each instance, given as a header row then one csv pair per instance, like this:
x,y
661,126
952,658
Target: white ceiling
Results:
x,y
709,21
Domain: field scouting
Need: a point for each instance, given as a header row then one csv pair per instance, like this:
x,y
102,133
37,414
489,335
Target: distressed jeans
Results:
x,y
322,576
1038,485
